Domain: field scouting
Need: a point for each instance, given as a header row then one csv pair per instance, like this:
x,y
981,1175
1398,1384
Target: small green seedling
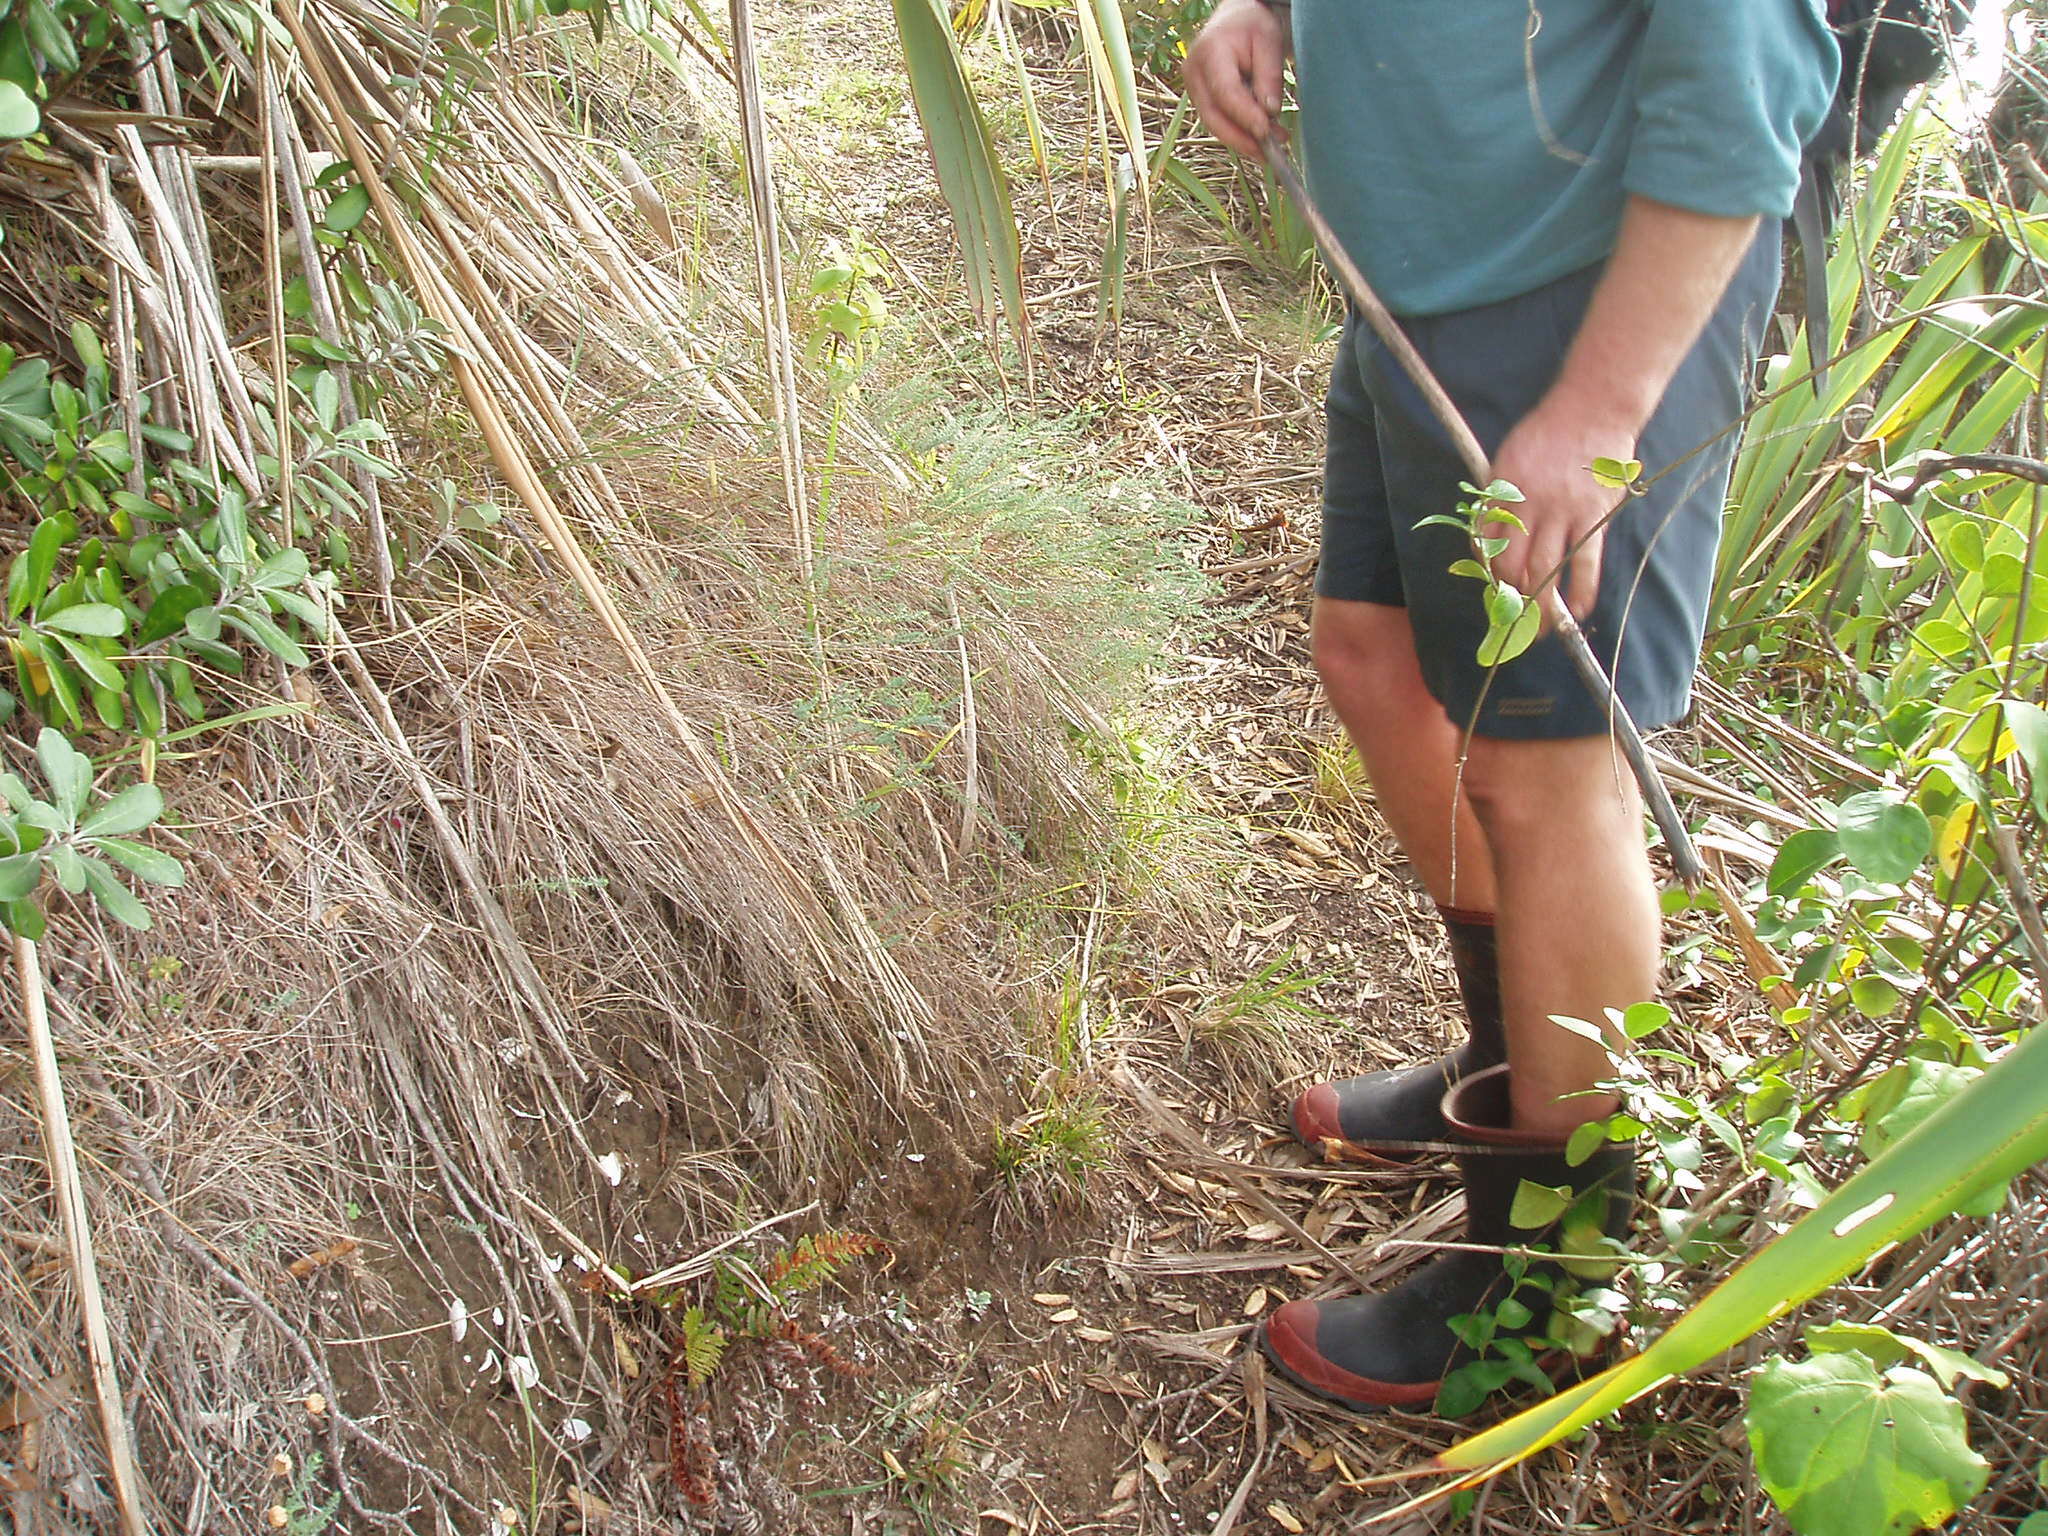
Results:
x,y
1513,620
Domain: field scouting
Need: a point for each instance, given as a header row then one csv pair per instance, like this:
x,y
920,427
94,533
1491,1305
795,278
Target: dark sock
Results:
x,y
1478,965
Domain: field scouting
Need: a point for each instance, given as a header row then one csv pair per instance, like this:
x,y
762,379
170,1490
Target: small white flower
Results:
x,y
458,1320
575,1431
522,1372
613,1167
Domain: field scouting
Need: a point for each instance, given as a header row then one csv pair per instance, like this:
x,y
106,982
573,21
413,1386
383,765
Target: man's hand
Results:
x,y
1668,270
1546,457
1233,74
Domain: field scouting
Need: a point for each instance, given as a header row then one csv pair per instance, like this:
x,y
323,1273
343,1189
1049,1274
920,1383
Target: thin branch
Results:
x,y
70,1191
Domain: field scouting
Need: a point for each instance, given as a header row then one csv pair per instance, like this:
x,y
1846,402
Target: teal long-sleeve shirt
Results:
x,y
1467,151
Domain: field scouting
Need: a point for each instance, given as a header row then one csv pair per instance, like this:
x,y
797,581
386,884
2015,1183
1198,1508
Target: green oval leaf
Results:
x,y
1538,1205
1505,641
30,577
166,616
1883,837
103,620
19,114
347,209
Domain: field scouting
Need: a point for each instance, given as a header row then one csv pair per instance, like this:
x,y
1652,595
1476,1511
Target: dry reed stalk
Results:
x,y
69,1189
774,299
970,731
201,304
273,286
521,978
284,147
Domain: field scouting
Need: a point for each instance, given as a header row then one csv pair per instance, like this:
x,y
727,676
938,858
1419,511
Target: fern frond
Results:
x,y
703,1347
811,1261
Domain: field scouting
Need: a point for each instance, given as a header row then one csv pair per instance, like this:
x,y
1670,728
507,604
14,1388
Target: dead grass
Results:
x,y
588,905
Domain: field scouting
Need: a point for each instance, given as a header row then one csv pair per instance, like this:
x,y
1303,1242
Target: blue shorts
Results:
x,y
1389,465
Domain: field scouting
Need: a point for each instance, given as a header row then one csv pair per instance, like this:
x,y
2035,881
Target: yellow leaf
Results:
x,y
1953,837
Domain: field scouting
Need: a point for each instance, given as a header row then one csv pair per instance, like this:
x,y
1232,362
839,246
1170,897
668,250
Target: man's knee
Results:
x,y
1363,647
1523,790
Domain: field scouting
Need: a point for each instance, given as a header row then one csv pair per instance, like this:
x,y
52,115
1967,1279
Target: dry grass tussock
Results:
x,y
612,881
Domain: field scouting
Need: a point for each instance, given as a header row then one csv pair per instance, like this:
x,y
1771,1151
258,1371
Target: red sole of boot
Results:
x,y
1559,1366
1349,1404
1316,1129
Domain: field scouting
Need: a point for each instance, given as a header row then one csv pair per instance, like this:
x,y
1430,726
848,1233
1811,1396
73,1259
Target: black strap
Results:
x,y
1810,222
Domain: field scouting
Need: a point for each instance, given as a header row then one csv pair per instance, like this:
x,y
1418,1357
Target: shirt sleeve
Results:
x,y
1727,94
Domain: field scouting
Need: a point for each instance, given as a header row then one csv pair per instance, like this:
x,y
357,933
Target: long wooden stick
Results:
x,y
1684,857
70,1192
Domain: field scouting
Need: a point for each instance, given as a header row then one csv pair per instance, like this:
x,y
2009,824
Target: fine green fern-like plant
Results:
x,y
702,1348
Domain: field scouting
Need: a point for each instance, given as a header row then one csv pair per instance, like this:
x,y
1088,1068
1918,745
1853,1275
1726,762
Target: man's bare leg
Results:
x,y
1548,834
1365,653
1578,922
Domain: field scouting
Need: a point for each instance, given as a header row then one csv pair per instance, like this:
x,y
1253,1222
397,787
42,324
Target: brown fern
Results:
x,y
820,1350
692,1456
811,1261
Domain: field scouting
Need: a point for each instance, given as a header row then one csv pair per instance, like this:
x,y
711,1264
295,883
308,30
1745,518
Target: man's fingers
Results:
x,y
1584,590
1528,562
1237,118
1266,76
1234,75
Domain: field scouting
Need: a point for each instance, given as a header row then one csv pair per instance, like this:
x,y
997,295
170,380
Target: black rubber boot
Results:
x,y
1343,1120
1394,1348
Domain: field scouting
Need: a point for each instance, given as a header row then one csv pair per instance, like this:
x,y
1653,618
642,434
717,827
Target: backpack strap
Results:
x,y
1810,220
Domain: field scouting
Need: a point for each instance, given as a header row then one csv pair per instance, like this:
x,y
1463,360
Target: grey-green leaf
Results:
x,y
142,861
67,770
68,865
120,902
20,873
130,811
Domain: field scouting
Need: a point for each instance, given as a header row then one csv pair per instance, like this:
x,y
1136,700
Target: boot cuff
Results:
x,y
1477,1110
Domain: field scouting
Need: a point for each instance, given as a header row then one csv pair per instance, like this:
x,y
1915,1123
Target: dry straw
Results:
x,y
561,866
